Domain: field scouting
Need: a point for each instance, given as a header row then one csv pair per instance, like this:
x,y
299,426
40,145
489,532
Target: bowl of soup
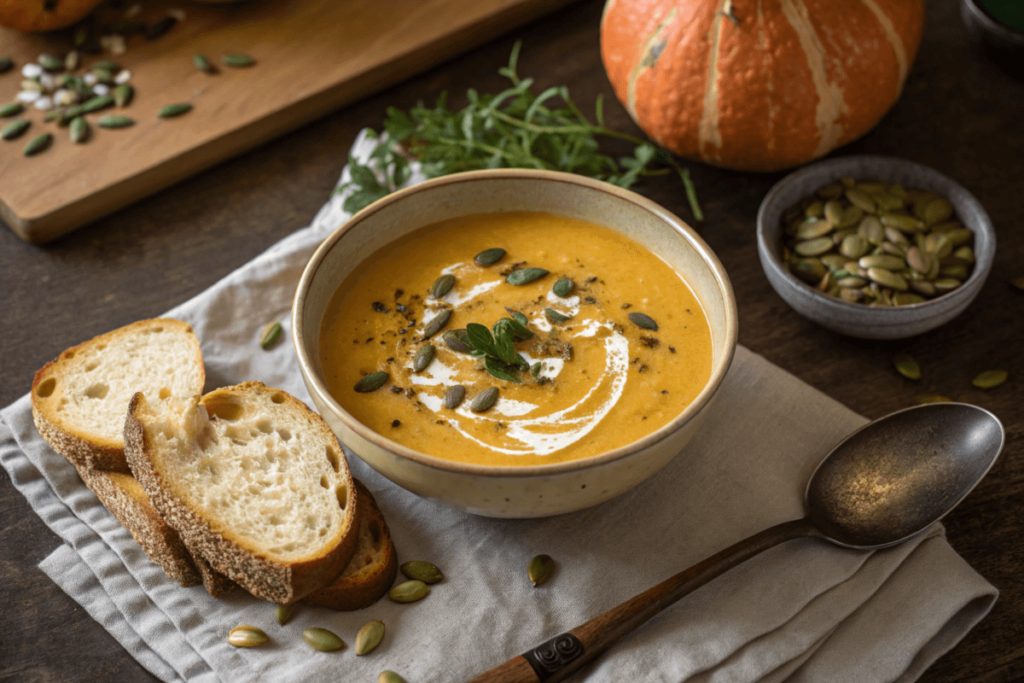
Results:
x,y
514,343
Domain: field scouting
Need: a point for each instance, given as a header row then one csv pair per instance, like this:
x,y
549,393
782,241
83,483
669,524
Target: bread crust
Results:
x,y
360,585
279,582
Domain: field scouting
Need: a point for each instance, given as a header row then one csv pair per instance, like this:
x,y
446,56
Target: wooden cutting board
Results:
x,y
313,56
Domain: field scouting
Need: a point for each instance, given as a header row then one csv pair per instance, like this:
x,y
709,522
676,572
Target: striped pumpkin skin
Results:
x,y
786,82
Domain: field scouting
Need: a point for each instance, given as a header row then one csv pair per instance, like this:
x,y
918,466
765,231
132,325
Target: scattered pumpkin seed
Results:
x,y
237,60
6,64
123,95
644,321
409,591
420,570
454,396
14,129
38,144
247,636
50,62
1018,283
563,287
369,637
525,276
423,357
932,398
519,317
114,121
555,317
488,257
372,382
990,379
159,28
99,102
323,640
437,323
12,109
78,129
283,613
536,368
456,340
389,677
442,286
53,115
540,570
485,400
270,334
906,366
202,62
171,110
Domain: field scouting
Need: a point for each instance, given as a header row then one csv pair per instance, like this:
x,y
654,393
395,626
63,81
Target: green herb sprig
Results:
x,y
497,347
515,128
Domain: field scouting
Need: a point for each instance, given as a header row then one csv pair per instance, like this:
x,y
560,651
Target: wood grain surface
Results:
x,y
312,56
958,114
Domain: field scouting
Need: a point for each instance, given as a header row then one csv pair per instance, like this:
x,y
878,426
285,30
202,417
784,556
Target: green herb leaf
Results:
x,y
500,370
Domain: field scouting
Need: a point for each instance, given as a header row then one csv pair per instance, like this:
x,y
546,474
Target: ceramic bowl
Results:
x,y
858,320
1000,42
534,491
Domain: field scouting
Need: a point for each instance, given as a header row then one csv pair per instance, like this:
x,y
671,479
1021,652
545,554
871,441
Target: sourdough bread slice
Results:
x,y
79,401
255,483
373,567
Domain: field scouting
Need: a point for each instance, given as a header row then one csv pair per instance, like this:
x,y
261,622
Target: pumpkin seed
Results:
x,y
813,229
827,282
38,144
519,317
851,295
959,237
454,396
456,340
53,115
957,271
901,222
12,109
283,613
123,95
14,129
906,366
932,398
159,29
78,129
409,591
871,186
896,237
442,286
419,570
871,229
937,211
810,270
372,382
369,637
389,677
485,400
563,287
202,62
893,249
965,254
437,323
525,276
906,299
855,282
814,210
852,215
886,262
171,110
6,64
540,570
862,200
112,121
237,60
888,202
323,640
830,191
834,211
833,261
938,245
922,287
488,257
423,357
555,317
947,227
918,260
50,62
270,334
814,247
887,278
990,379
854,246
644,321
1018,283
536,368
946,284
247,636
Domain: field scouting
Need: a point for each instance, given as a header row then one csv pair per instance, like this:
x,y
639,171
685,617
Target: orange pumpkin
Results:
x,y
758,85
44,15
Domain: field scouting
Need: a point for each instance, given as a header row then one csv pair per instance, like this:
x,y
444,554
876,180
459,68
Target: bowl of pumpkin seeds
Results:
x,y
874,247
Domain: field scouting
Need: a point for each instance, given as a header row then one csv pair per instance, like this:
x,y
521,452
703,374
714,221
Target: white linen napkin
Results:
x,y
803,611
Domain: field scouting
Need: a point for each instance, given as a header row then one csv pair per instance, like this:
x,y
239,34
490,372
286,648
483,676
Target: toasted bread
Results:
x,y
373,567
254,482
80,400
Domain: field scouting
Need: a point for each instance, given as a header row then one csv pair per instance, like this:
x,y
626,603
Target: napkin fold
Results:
x,y
802,611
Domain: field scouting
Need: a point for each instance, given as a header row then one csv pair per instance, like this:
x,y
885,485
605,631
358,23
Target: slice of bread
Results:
x,y
373,567
255,483
80,400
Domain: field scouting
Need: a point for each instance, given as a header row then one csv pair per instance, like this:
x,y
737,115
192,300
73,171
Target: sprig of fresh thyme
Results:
x,y
515,128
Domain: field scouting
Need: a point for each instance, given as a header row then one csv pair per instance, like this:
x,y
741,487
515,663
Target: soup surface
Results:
x,y
603,380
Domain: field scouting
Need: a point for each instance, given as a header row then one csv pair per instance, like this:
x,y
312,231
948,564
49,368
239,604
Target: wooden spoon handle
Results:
x,y
562,655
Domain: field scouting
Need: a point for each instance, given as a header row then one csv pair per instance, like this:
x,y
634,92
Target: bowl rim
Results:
x,y
992,25
881,316
688,234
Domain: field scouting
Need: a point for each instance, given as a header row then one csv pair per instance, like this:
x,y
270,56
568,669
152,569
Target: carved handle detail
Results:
x,y
552,655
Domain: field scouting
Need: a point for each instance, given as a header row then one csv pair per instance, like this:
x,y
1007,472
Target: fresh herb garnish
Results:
x,y
498,349
515,128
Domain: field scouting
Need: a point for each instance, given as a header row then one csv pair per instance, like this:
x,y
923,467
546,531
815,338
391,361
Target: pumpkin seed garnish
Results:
x,y
171,110
540,570
96,103
322,639
123,94
643,320
437,323
485,400
14,129
78,129
453,398
202,62
456,341
38,144
563,287
12,109
525,276
488,257
1018,283
283,613
442,286
990,379
237,60
270,334
369,637
389,677
409,591
423,357
420,570
906,366
50,62
372,382
247,636
6,64
932,398
112,121
555,317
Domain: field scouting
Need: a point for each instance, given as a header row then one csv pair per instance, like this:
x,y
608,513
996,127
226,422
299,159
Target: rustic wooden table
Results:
x,y
959,114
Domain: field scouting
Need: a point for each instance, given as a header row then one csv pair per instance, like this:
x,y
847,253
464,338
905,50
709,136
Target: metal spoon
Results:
x,y
884,484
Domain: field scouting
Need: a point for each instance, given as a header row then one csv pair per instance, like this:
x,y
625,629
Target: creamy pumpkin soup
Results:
x,y
514,339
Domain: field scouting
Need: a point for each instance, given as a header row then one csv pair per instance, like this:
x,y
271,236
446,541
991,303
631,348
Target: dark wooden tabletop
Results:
x,y
958,114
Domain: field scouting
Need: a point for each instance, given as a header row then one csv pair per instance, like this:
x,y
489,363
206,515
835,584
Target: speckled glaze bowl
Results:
x,y
536,491
858,320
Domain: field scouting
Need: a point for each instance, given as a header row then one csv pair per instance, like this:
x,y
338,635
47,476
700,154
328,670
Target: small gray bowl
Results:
x,y
857,320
